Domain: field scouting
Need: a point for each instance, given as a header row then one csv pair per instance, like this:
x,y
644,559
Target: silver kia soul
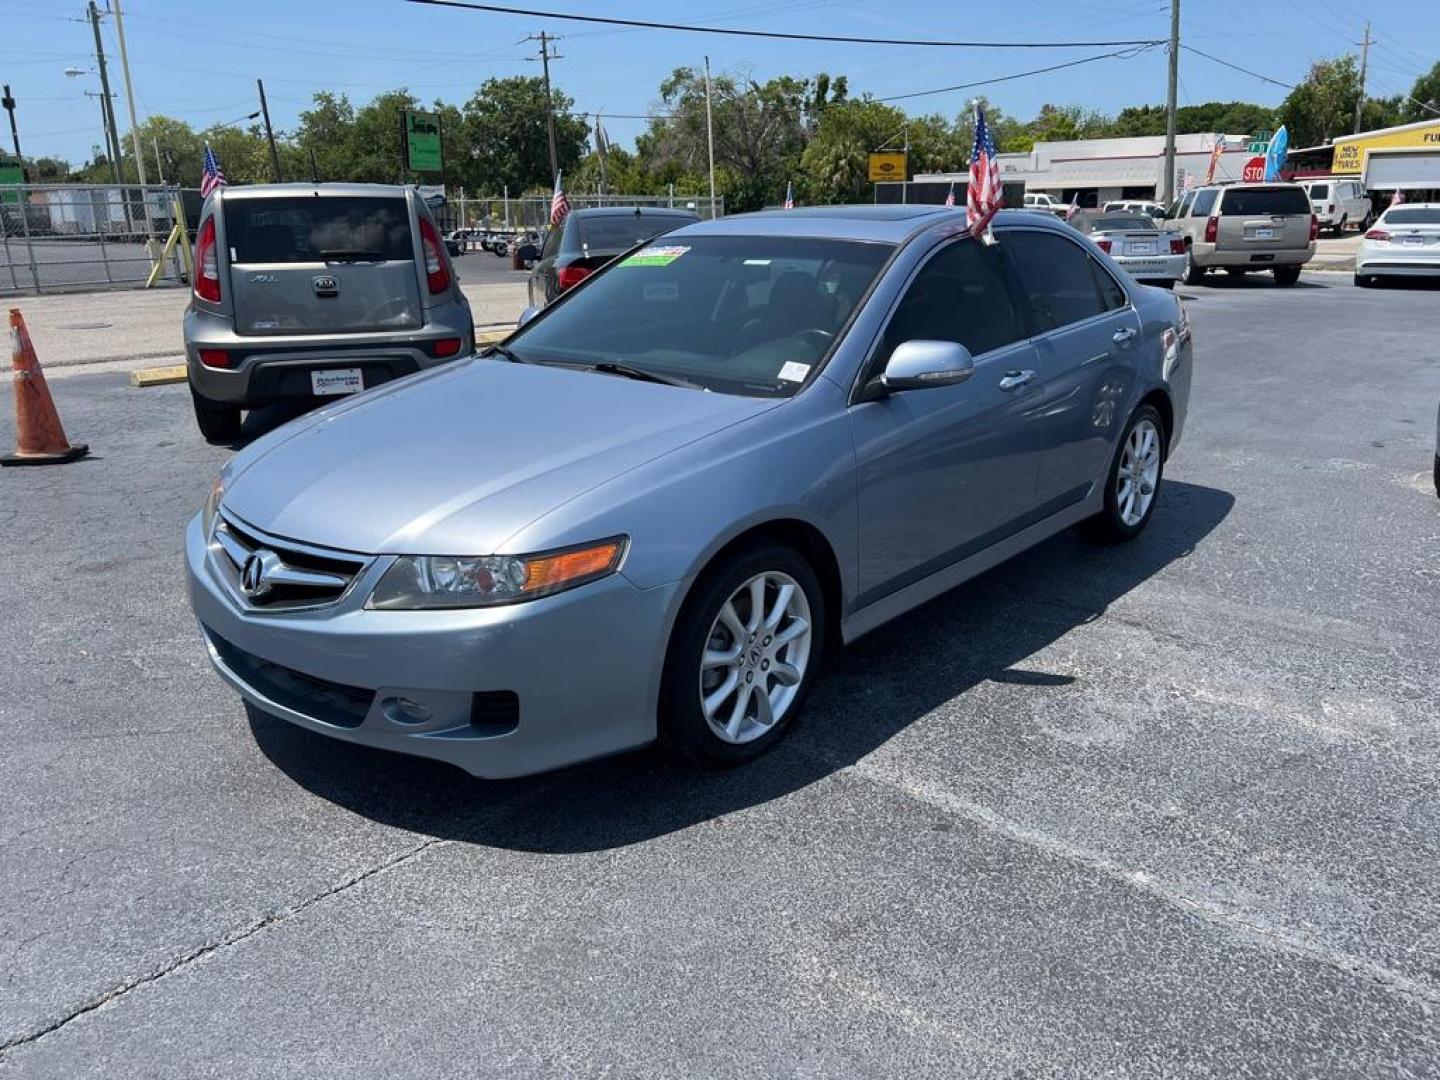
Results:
x,y
309,291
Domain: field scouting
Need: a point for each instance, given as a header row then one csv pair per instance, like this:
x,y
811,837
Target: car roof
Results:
x,y
260,191
632,211
889,222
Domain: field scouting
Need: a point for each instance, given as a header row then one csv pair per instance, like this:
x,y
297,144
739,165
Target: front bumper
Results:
x,y
583,665
271,369
1153,267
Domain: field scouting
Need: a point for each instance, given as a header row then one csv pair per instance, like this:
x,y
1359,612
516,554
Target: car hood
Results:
x,y
455,461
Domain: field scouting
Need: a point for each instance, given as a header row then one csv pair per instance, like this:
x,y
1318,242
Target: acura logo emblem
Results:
x,y
255,574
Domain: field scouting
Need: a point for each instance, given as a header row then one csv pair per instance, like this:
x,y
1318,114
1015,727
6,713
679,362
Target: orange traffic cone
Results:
x,y
37,425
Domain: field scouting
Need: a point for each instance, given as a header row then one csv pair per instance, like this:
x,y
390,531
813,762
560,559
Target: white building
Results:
x,y
1093,171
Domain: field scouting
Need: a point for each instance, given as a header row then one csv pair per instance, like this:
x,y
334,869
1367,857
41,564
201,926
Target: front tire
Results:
x,y
1340,226
219,423
743,657
1132,485
1286,275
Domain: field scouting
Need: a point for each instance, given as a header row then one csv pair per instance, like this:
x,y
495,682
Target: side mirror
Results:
x,y
917,365
526,315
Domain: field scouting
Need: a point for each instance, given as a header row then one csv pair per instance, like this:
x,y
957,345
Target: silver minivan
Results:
x,y
1243,228
312,291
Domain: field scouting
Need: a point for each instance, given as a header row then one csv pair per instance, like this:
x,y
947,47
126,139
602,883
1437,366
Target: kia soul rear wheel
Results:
x,y
743,657
218,422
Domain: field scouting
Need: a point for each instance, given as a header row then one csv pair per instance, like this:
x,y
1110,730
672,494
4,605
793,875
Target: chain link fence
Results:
x,y
60,236
531,213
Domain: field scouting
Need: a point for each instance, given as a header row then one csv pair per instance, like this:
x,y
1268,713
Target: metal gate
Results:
x,y
61,236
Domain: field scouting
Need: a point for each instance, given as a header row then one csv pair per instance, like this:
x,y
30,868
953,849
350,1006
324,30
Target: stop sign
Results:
x,y
1254,170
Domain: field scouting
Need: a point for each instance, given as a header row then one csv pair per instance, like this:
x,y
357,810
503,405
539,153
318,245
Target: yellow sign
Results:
x,y
887,166
1351,152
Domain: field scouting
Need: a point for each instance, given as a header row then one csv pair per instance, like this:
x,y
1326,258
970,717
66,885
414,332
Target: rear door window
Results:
x,y
962,294
622,231
1262,202
1057,276
306,229
1321,191
1204,203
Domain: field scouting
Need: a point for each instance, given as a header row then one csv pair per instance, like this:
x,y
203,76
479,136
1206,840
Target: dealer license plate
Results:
x,y
1264,234
1413,241
1144,247
337,381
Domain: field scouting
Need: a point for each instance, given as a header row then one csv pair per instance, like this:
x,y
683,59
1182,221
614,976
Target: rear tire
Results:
x,y
1122,519
1340,226
219,423
1364,281
695,670
1286,275
1194,274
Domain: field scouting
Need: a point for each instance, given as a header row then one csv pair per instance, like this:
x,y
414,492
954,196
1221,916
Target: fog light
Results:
x,y
448,346
402,710
216,358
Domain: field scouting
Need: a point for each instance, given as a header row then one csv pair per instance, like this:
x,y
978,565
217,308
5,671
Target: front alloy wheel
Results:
x,y
744,654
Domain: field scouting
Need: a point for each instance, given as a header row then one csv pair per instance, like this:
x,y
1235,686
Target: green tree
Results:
x,y
1224,117
504,140
1424,103
1323,106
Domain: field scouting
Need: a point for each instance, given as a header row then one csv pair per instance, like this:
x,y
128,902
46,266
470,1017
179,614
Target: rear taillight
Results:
x,y
217,358
1377,234
1177,247
207,264
437,268
570,276
1314,226
1103,245
447,346
1212,229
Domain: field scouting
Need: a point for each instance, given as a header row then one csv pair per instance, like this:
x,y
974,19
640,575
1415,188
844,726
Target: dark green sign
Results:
x,y
422,141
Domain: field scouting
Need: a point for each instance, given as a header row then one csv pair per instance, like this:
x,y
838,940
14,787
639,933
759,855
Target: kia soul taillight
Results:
x,y
437,270
207,264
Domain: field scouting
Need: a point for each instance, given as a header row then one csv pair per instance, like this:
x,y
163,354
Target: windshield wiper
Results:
x,y
610,367
352,255
508,354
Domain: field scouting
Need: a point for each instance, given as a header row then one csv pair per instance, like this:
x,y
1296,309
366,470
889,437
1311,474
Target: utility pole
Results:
x,y
8,104
710,136
1364,66
269,134
112,133
546,40
1170,92
129,98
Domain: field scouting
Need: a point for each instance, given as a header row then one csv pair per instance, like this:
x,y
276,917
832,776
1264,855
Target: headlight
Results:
x,y
212,506
465,581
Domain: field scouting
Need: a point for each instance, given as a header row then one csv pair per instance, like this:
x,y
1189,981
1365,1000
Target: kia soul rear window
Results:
x,y
317,229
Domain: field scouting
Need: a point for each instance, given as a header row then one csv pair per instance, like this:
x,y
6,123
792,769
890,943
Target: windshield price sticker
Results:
x,y
655,256
792,371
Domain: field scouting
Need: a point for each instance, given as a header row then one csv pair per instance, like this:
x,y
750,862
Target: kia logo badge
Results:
x,y
326,285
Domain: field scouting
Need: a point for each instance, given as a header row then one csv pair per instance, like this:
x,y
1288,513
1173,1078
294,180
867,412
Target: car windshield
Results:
x,y
620,232
1276,200
1413,215
746,315
1319,191
1124,222
294,229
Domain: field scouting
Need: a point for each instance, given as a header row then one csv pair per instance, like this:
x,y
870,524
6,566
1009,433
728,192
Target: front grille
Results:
x,y
323,700
285,575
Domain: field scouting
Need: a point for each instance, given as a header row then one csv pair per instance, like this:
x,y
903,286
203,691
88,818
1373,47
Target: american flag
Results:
x,y
985,195
789,196
950,198
1397,198
559,203
211,178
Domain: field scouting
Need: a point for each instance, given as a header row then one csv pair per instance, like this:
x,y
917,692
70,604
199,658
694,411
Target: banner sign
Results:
x,y
422,141
888,166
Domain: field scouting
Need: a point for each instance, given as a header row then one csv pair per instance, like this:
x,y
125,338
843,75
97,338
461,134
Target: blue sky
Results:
x,y
198,61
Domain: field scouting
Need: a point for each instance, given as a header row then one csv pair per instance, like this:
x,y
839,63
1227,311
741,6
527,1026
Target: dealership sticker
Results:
x,y
793,371
662,291
655,256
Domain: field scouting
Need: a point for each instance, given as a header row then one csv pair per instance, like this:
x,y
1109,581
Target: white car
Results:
x,y
1135,206
1038,200
1146,251
1338,204
1403,242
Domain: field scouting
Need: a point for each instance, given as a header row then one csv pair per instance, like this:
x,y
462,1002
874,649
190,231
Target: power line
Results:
x,y
1126,53
773,34
1237,67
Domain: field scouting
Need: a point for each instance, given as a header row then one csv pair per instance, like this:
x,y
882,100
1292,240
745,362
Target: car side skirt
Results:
x,y
911,596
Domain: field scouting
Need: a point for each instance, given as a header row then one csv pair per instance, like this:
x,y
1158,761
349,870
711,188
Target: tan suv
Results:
x,y
1246,227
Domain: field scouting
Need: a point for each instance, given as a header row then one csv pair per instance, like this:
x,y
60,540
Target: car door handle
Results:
x,y
1123,335
1013,380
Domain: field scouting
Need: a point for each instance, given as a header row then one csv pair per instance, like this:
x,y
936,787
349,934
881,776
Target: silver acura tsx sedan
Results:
x,y
652,512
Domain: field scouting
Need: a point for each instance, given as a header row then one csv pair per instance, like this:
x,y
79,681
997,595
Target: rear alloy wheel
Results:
x,y
1193,274
219,423
1286,275
1133,482
743,657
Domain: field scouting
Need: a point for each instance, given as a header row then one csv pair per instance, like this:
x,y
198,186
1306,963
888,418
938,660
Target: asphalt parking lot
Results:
x,y
1160,810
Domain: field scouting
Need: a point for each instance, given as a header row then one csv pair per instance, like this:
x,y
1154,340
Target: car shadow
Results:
x,y
1260,279
267,418
982,631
